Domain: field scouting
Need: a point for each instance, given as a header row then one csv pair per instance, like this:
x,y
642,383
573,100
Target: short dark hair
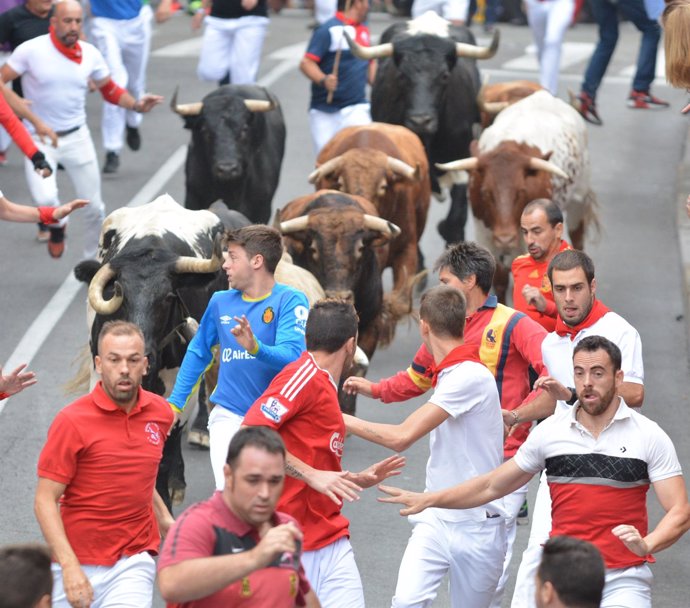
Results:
x,y
569,259
25,575
575,569
260,437
330,324
444,309
119,328
467,259
592,344
258,239
553,212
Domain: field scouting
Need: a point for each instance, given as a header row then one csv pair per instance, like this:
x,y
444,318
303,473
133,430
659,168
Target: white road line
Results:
x,y
48,318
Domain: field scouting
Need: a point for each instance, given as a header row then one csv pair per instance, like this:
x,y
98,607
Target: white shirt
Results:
x,y
470,441
557,351
57,86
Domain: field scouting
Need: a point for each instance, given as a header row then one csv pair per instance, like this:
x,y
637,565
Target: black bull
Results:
x,y
429,84
236,150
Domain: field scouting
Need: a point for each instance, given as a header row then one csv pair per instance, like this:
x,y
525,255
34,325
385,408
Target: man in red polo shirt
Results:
x,y
95,499
542,228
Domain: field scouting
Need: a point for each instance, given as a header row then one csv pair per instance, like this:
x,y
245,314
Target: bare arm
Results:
x,y
401,436
126,101
334,484
200,577
674,499
378,472
12,212
478,491
311,601
632,393
77,587
17,380
313,71
163,516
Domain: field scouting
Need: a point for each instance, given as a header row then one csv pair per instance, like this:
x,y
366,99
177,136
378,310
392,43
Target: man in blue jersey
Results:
x,y
259,326
348,105
122,33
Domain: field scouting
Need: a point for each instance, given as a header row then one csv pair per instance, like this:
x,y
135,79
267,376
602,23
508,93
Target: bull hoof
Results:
x,y
177,496
199,439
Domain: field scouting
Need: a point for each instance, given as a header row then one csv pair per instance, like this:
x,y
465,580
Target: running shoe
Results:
x,y
584,104
644,100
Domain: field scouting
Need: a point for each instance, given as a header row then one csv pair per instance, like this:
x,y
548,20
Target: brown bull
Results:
x,y
387,165
493,98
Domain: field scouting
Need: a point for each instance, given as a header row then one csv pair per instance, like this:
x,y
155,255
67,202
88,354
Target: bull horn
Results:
x,y
464,164
322,170
402,168
191,264
371,222
185,109
369,52
493,107
295,224
545,165
462,49
100,280
259,105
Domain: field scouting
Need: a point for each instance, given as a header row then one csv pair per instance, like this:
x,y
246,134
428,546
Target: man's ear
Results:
x,y
97,364
44,602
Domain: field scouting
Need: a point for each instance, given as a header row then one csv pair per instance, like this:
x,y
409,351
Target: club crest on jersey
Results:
x,y
273,409
268,315
337,444
490,338
545,284
153,433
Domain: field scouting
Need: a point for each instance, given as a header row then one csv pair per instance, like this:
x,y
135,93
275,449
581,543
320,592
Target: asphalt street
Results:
x,y
634,158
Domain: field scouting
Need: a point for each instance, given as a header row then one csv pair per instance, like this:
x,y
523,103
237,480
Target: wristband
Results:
x,y
46,215
174,408
573,396
38,160
111,92
322,82
4,396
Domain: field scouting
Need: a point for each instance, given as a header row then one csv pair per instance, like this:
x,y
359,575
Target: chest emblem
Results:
x,y
153,433
490,338
268,315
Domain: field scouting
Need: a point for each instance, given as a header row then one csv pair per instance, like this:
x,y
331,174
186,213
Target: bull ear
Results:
x,y
474,147
86,270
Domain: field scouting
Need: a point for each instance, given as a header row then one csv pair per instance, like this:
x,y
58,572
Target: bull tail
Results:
x,y
591,217
79,383
396,305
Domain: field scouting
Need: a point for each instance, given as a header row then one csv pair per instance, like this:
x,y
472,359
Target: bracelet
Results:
x,y
322,82
516,417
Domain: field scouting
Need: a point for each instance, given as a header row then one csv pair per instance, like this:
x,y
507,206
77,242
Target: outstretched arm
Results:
x,y
17,380
378,472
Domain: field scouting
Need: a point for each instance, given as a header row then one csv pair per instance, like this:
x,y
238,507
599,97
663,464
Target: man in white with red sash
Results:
x,y
463,420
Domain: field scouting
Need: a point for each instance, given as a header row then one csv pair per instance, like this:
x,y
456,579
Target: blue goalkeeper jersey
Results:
x,y
278,321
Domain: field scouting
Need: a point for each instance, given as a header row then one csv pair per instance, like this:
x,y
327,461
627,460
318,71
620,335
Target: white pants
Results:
x,y
333,575
127,584
125,44
628,588
523,596
453,10
232,45
75,152
222,426
325,125
512,503
549,21
471,553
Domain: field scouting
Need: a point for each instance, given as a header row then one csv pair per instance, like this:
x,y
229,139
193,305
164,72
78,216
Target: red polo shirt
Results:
x,y
108,459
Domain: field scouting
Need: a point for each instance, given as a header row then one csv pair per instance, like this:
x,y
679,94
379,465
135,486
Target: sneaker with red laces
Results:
x,y
56,242
584,104
644,100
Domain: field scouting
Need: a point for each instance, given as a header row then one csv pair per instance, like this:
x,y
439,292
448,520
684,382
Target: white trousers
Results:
x,y
325,125
333,575
523,596
628,588
127,584
549,21
222,426
232,45
125,44
512,503
471,553
75,152
453,10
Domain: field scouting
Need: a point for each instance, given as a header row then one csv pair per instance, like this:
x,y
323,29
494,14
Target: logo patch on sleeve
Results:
x,y
273,409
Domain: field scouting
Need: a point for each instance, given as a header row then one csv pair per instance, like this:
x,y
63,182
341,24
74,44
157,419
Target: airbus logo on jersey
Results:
x,y
225,320
273,409
153,433
337,444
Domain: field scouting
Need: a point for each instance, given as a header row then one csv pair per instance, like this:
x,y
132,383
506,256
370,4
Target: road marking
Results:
x,y
49,317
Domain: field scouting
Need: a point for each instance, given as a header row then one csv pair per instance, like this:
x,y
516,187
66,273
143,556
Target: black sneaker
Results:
x,y
133,138
112,163
584,104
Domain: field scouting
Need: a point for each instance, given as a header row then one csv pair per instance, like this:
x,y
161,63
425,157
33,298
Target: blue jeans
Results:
x,y
606,14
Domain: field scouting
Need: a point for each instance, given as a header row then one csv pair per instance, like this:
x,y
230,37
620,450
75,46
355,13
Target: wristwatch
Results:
x,y
573,396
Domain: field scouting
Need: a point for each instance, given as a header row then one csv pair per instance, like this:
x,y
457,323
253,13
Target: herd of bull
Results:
x,y
159,264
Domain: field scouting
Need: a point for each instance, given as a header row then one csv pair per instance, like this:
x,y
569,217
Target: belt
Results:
x,y
67,131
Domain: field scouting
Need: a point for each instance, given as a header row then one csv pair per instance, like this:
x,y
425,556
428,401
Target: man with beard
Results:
x,y
302,405
600,457
95,500
542,227
580,315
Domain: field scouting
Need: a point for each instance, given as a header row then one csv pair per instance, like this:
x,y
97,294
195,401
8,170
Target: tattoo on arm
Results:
x,y
373,432
293,472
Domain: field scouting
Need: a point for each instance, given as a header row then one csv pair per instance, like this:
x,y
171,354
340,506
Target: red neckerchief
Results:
x,y
464,352
73,53
598,311
346,20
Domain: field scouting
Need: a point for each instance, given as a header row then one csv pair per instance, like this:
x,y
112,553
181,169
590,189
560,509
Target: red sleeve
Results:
x,y
16,129
551,309
58,459
407,384
190,537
